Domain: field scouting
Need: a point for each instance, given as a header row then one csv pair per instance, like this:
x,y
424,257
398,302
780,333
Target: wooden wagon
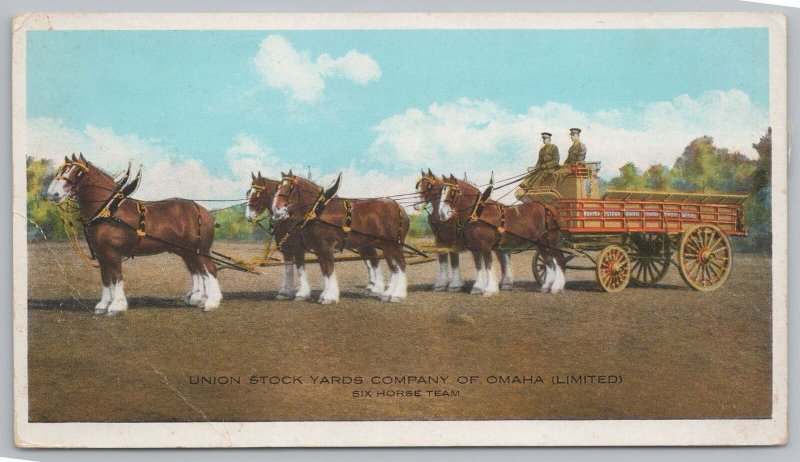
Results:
x,y
634,236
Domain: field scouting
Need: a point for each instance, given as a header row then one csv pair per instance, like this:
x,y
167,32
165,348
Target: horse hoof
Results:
x,y
476,291
488,294
455,288
112,313
300,298
507,287
326,301
396,299
283,296
439,288
99,311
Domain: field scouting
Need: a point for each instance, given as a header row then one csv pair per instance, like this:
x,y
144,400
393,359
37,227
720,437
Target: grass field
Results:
x,y
679,353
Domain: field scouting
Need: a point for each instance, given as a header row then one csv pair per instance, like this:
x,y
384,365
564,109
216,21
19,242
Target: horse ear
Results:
x,y
430,172
491,179
73,157
252,176
290,172
83,159
66,159
259,175
452,177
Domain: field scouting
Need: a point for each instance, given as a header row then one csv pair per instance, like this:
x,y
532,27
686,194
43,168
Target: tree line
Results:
x,y
702,167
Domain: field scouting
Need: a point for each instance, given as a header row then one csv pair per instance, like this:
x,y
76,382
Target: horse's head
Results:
x,y
428,187
294,193
260,196
68,178
453,193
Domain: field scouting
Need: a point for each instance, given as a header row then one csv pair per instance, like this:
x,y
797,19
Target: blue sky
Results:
x,y
201,96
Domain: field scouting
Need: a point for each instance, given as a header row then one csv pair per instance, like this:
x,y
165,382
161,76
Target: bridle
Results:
x,y
290,184
83,172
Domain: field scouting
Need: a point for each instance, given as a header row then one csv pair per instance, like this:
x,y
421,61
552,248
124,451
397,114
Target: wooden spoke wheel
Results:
x,y
705,257
538,267
650,258
613,268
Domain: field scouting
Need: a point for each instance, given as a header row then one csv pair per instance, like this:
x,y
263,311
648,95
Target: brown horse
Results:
x,y
362,225
136,228
446,234
259,200
497,226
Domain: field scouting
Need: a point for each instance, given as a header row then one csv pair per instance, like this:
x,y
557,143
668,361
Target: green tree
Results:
x,y
629,179
658,178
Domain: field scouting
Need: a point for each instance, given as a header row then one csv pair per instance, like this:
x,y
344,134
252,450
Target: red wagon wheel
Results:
x,y
650,258
705,257
613,268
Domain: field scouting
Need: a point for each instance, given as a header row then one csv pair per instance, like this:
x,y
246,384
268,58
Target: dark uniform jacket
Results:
x,y
548,157
577,153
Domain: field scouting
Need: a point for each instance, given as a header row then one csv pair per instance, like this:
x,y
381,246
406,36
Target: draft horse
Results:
x,y
119,227
259,200
446,233
329,224
486,225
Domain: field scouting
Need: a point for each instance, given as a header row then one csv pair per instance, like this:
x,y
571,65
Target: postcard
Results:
x,y
253,230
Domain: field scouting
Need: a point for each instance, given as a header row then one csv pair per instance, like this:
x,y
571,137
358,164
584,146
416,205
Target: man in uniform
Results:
x,y
548,154
545,165
577,152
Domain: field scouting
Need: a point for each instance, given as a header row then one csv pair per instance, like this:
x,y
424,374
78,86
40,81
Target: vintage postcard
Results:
x,y
399,229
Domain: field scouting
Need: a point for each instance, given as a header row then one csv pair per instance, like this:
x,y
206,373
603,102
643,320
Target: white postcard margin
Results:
x,y
407,433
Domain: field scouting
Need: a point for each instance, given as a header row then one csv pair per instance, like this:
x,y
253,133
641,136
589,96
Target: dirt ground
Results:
x,y
666,352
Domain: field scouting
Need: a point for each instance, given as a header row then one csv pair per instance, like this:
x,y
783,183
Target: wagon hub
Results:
x,y
705,255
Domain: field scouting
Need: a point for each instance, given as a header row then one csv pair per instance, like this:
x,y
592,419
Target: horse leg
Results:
x,y
559,281
491,287
286,292
506,276
105,299
456,283
330,290
444,274
480,278
303,290
400,291
195,293
209,275
119,302
370,256
387,295
549,273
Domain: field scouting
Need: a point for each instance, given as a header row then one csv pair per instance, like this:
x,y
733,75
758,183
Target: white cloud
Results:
x,y
302,78
479,136
165,173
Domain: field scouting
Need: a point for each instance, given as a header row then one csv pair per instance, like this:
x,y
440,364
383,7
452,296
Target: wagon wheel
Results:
x,y
650,258
705,257
613,268
538,265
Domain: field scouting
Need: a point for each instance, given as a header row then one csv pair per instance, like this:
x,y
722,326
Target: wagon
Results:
x,y
635,236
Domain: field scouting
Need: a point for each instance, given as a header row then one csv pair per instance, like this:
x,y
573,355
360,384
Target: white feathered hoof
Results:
x,y
326,301
210,305
456,288
187,299
488,294
99,311
300,298
440,288
283,296
507,286
396,299
476,291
